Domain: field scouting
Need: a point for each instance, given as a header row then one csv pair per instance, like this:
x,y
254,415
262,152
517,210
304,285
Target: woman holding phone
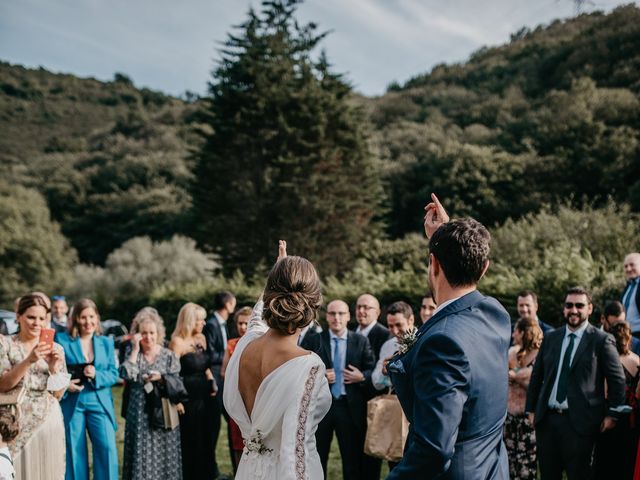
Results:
x,y
149,452
38,367
88,405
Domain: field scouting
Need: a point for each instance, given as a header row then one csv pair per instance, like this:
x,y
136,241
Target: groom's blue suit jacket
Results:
x,y
452,385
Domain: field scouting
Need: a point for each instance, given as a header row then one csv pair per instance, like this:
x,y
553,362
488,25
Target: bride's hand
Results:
x,y
282,249
436,215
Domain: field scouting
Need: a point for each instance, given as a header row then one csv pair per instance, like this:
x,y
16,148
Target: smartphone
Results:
x,y
46,335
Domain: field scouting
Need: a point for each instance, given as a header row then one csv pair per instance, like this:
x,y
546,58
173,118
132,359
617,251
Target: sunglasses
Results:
x,y
570,305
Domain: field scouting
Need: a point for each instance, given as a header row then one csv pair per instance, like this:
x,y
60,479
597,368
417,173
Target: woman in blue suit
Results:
x,y
88,404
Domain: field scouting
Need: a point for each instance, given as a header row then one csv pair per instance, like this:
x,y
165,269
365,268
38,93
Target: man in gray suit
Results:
x,y
566,398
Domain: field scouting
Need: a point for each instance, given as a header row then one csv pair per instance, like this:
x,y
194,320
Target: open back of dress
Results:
x,y
279,435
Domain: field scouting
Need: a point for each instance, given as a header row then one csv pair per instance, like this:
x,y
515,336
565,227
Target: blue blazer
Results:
x,y
106,372
452,385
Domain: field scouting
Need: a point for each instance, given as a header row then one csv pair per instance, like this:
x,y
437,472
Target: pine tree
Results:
x,y
285,153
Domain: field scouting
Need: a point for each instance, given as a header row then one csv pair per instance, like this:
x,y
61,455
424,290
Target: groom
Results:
x,y
452,382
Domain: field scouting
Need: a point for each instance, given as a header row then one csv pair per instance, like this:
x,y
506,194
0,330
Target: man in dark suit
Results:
x,y
349,362
367,314
631,295
216,331
452,381
566,399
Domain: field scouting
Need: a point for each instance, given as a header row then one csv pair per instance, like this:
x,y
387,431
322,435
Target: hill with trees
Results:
x,y
544,129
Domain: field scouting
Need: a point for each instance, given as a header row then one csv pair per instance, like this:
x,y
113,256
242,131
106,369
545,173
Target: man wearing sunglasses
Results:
x,y
566,399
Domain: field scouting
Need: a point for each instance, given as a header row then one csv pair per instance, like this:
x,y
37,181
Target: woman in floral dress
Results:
x,y
519,435
150,453
40,368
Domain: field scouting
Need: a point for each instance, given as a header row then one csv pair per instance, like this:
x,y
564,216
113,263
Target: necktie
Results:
x,y
627,294
561,394
336,388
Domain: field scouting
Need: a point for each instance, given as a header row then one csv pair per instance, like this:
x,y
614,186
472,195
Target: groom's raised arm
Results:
x,y
440,383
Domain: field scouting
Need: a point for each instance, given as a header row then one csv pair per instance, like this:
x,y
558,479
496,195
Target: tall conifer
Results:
x,y
285,153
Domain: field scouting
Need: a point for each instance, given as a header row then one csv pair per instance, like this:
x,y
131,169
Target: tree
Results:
x,y
132,182
285,153
138,267
34,255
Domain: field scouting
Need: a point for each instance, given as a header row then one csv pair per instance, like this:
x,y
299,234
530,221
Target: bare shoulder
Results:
x,y
176,345
200,339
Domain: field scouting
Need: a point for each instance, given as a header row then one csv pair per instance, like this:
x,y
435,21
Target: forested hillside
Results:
x,y
553,115
544,127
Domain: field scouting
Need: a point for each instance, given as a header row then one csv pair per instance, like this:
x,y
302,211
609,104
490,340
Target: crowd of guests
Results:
x,y
572,403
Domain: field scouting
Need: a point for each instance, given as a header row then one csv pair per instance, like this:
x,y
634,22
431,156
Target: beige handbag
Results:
x,y
170,414
15,396
387,428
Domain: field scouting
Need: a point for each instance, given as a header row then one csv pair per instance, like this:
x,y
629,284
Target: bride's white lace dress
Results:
x,y
279,435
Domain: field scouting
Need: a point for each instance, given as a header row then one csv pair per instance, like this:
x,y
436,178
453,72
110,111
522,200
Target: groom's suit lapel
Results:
x,y
460,304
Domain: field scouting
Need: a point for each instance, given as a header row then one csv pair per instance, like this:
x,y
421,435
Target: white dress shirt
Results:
x,y
223,328
553,403
365,331
380,380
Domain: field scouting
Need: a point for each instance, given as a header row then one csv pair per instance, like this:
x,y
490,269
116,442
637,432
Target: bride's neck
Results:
x,y
281,337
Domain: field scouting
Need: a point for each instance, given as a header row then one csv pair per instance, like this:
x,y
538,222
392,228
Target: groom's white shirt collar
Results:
x,y
444,304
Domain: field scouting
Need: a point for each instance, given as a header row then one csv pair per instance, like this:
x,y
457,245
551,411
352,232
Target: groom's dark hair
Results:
x,y
462,249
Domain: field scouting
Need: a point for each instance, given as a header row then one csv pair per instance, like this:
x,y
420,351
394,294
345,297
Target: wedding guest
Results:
x,y
612,314
527,306
149,452
400,320
566,397
367,314
616,448
216,332
519,435
631,295
88,405
59,310
9,429
427,307
241,321
349,362
196,434
27,362
125,350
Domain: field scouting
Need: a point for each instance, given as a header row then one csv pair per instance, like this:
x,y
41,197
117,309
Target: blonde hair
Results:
x,y
78,308
243,312
188,316
149,315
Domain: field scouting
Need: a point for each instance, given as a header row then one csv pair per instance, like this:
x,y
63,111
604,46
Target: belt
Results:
x,y
559,411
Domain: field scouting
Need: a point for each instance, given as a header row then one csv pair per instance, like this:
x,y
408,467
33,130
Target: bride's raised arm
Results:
x,y
256,322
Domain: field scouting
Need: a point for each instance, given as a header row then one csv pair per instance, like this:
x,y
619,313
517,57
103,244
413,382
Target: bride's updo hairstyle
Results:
x,y
292,296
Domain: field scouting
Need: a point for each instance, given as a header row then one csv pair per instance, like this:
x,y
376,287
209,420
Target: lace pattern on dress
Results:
x,y
302,421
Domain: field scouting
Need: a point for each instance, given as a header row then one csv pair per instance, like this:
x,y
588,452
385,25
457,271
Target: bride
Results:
x,y
275,391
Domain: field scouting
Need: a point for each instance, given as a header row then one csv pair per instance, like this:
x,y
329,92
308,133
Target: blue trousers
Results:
x,y
89,415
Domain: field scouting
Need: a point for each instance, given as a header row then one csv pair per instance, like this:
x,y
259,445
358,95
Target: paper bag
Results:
x,y
387,428
170,414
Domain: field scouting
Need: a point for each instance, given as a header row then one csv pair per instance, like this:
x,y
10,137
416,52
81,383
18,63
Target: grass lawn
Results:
x,y
222,450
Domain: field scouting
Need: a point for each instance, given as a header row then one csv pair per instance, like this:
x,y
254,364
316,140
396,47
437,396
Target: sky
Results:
x,y
172,46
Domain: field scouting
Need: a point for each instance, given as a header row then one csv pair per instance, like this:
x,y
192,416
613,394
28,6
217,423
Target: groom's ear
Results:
x,y
484,270
434,265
